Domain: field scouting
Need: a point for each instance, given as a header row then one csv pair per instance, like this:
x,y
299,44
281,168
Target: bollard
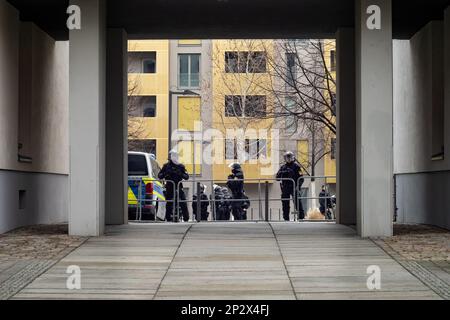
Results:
x,y
266,200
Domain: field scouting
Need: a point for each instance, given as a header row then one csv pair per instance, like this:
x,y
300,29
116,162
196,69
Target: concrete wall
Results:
x,y
423,198
34,112
422,185
45,200
9,84
414,84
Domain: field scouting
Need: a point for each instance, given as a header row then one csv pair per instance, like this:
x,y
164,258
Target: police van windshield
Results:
x,y
137,165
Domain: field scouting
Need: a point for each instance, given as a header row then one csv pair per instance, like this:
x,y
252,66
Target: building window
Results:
x,y
255,148
245,62
149,66
142,145
142,62
189,70
142,106
332,60
255,107
291,67
251,106
231,152
231,62
290,119
333,149
233,106
333,103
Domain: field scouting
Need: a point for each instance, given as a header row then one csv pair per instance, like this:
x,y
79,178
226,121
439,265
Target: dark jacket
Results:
x,y
173,172
290,171
236,187
203,206
325,201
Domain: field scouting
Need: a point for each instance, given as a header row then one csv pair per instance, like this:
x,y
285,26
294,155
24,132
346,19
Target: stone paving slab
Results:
x,y
128,262
338,268
244,261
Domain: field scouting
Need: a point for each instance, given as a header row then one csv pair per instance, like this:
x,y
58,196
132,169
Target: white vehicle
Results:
x,y
146,199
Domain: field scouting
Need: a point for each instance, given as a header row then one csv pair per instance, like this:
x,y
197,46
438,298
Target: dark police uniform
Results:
x,y
204,214
289,189
325,204
176,173
237,191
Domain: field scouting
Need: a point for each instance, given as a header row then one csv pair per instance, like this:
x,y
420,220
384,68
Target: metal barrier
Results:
x,y
259,200
329,208
142,200
263,202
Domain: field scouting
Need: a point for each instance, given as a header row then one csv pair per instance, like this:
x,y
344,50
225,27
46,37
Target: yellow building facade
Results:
x,y
244,84
330,158
150,72
149,77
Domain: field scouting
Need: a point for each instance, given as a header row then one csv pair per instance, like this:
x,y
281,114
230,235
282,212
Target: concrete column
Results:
x,y
447,85
374,110
87,120
116,127
346,126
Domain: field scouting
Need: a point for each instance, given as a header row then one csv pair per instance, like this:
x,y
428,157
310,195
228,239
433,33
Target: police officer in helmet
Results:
x,y
236,185
204,204
290,174
174,172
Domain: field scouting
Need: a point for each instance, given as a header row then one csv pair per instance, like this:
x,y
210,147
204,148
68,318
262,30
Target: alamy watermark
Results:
x,y
374,280
73,281
251,146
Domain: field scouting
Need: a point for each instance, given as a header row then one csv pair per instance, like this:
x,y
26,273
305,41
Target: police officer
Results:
x,y
245,206
325,203
174,171
204,214
236,185
226,205
217,195
291,172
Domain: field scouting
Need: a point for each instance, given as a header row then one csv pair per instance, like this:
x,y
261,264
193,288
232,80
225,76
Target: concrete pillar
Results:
x,y
116,127
346,126
447,85
374,110
87,120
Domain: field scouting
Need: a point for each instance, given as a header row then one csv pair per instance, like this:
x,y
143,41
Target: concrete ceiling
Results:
x,y
231,18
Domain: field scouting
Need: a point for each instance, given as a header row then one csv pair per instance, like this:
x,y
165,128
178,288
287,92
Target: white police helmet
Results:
x,y
174,157
289,157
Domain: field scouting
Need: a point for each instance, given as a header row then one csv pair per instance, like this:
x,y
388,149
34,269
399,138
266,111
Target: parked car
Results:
x,y
146,199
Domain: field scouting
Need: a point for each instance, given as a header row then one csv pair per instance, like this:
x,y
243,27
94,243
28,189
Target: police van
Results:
x,y
146,199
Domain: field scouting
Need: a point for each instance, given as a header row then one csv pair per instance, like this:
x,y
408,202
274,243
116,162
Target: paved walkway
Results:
x,y
228,261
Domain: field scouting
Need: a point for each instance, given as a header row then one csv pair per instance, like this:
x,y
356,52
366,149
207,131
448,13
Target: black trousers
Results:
x,y
288,193
236,207
172,198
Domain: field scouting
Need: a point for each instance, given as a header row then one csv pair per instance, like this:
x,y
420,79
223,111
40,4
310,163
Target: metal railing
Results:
x,y
265,212
327,202
259,199
146,201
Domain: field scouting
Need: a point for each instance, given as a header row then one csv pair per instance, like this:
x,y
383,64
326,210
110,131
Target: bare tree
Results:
x,y
297,79
136,125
